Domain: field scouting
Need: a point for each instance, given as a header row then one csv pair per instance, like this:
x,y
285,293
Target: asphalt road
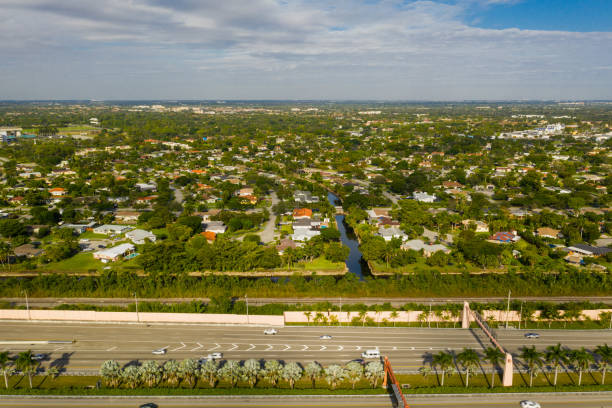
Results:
x,y
406,347
501,401
50,302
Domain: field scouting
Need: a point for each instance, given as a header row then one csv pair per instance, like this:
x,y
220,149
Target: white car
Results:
x,y
214,356
532,336
38,357
160,351
530,404
270,331
325,337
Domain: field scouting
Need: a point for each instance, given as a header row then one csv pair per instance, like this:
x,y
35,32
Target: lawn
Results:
x,y
319,264
92,235
80,263
420,265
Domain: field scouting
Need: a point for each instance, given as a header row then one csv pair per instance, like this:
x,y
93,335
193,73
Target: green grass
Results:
x,y
80,263
92,235
287,229
317,264
421,266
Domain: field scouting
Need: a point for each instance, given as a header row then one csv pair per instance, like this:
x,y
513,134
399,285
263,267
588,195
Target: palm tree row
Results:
x,y
24,363
190,371
554,357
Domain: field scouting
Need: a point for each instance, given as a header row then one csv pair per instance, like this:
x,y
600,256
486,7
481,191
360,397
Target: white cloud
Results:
x,y
294,49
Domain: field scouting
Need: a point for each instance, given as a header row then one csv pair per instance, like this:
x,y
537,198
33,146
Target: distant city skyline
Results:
x,y
445,50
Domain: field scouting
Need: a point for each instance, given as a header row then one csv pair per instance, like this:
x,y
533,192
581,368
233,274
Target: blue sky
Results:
x,y
306,49
564,15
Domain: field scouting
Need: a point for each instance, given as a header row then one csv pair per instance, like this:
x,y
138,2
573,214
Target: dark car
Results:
x,y
149,405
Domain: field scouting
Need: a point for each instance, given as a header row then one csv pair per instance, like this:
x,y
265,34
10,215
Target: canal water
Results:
x,y
354,262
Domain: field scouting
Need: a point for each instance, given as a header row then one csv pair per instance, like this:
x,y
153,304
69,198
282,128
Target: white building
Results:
x,y
108,229
139,236
424,197
113,254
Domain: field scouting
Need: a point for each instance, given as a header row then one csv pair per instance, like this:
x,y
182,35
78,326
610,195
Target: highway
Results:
x,y
255,301
415,401
406,347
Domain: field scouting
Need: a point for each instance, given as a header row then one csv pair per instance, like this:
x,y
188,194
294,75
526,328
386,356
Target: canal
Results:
x,y
354,262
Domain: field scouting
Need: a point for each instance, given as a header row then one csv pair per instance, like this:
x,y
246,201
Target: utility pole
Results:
x,y
508,310
340,310
246,298
27,304
521,314
429,316
137,315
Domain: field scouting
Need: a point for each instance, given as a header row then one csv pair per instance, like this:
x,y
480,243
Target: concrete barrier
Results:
x,y
123,317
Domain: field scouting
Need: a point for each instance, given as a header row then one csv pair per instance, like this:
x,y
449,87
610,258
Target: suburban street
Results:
x,y
415,401
267,235
406,347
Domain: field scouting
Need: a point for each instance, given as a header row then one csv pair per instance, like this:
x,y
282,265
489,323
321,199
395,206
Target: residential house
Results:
x,y
108,229
428,249
305,197
244,192
139,236
146,186
481,226
546,232
115,253
127,217
504,237
284,245
388,233
218,227
57,192
300,213
27,251
588,250
424,197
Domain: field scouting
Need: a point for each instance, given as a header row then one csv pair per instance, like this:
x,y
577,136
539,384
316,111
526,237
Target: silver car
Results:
x,y
532,336
160,351
530,404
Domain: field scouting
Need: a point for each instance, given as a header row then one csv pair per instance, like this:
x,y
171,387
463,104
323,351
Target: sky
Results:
x,y
306,49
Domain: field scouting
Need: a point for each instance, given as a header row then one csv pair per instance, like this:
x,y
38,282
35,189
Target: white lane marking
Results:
x,y
270,347
305,348
323,348
112,348
394,348
59,348
233,348
197,348
178,348
251,348
358,348
340,348
287,347
214,348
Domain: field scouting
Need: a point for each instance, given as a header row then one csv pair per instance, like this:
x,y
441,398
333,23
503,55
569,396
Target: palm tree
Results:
x,y
172,372
5,367
532,359
374,371
354,372
362,317
110,371
250,371
393,316
469,359
582,360
313,370
54,372
425,371
334,374
131,376
210,372
318,317
26,364
150,373
230,372
605,360
272,371
308,316
291,373
556,356
443,360
188,371
495,357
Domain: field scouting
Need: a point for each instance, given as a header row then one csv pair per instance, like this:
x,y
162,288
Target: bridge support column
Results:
x,y
508,371
465,316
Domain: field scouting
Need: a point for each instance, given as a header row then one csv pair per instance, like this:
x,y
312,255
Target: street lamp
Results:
x,y
508,310
246,298
137,315
25,292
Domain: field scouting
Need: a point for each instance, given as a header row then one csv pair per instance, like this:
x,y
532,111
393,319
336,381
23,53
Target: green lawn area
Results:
x,y
92,235
287,229
81,262
420,264
318,264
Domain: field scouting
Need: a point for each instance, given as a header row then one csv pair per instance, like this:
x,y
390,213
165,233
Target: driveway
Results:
x,y
267,235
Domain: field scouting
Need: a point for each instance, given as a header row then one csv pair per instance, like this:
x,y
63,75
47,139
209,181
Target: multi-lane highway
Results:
x,y
406,347
415,401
